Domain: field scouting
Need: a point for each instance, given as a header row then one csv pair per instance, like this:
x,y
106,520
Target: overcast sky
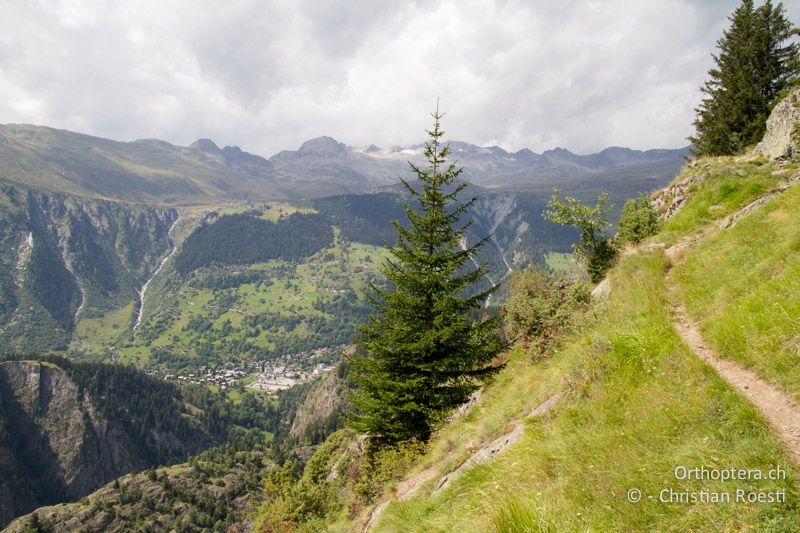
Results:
x,y
268,75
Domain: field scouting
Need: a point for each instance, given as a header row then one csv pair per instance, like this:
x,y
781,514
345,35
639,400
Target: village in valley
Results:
x,y
280,373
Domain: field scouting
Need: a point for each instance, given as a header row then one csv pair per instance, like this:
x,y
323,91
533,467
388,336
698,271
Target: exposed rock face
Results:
x,y
63,257
672,198
55,442
319,412
782,138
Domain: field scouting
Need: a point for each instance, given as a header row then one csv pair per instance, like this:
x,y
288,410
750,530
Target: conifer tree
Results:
x,y
421,354
753,67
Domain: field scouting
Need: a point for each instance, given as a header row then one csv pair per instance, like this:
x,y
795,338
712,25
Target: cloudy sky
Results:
x,y
269,75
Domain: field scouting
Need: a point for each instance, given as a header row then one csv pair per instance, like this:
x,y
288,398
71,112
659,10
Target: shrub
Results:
x,y
638,221
605,253
540,308
594,248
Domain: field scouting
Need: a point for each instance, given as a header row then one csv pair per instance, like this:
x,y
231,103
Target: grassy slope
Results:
x,y
725,185
641,404
742,285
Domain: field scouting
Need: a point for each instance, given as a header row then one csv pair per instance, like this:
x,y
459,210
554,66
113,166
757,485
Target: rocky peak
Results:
x,y
205,145
526,154
323,146
558,152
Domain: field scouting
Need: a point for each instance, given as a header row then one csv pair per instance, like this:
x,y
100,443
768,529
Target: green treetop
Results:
x,y
594,248
421,353
751,71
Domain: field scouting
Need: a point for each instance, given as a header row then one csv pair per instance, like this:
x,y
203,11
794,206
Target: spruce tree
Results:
x,y
421,353
752,69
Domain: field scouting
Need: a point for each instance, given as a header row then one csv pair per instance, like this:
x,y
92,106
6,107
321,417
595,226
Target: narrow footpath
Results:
x,y
780,409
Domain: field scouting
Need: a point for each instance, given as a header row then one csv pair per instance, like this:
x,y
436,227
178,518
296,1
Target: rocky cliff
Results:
x,y
63,257
59,439
319,414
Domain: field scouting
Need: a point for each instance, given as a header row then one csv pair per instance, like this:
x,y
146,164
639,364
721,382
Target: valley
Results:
x,y
404,267
199,285
240,301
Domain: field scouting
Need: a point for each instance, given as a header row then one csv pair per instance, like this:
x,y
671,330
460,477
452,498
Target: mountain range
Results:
x,y
86,222
156,172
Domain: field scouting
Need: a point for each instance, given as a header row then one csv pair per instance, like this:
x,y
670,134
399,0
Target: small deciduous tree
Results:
x,y
594,248
423,355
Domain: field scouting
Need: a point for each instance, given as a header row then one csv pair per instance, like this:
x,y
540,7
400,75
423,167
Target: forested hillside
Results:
x,y
245,240
67,428
64,258
214,489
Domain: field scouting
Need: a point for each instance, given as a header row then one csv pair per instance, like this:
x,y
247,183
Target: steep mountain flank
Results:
x,y
64,431
148,171
320,412
64,258
210,493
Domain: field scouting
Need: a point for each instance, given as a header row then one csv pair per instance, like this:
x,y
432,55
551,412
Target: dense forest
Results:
x,y
141,404
363,217
244,239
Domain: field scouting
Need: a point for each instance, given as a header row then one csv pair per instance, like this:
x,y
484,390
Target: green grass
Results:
x,y
341,266
561,263
94,335
640,404
726,184
743,286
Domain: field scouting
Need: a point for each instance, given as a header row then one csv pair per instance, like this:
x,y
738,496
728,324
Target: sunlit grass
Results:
x,y
563,264
94,335
640,404
743,285
725,185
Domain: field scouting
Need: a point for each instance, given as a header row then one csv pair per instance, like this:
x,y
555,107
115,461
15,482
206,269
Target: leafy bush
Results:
x,y
540,308
602,259
345,475
638,221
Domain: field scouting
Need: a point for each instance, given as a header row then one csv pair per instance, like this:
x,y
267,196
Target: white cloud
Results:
x,y
266,76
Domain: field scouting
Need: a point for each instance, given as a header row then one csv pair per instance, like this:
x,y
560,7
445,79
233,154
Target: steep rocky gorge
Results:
x,y
65,257
59,441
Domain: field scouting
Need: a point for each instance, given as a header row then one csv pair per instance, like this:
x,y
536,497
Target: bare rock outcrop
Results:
x,y
671,199
318,413
782,138
59,441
